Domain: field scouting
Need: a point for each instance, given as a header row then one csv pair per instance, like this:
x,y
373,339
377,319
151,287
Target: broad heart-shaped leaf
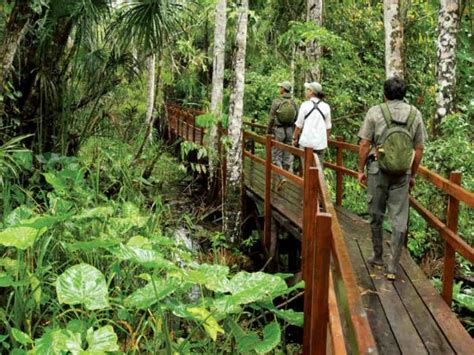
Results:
x,y
144,257
153,292
210,324
20,237
102,339
57,342
250,287
249,342
22,338
17,215
83,284
214,277
271,338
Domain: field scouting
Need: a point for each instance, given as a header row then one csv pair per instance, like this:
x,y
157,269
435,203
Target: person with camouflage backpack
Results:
x,y
391,147
282,118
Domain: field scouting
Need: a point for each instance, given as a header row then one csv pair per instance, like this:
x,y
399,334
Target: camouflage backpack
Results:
x,y
396,151
286,112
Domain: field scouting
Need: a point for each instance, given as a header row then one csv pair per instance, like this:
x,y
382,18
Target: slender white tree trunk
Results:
x,y
448,24
232,199
393,39
217,80
150,61
314,13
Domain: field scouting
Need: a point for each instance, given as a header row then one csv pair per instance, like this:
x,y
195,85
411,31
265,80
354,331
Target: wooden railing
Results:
x,y
322,246
183,124
447,230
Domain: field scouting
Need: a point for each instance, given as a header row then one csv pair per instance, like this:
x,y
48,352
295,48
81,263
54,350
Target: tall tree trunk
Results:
x,y
217,81
15,29
393,39
314,13
448,24
150,63
232,199
150,104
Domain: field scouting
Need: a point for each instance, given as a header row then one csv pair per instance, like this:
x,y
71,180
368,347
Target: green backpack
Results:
x,y
286,112
395,151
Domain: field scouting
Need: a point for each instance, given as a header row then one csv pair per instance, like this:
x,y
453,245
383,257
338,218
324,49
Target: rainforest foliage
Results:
x,y
102,248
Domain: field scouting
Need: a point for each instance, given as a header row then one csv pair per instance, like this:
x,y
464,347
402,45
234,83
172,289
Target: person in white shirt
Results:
x,y
313,124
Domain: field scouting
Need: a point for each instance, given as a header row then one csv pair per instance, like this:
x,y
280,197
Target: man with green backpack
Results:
x,y
391,147
281,124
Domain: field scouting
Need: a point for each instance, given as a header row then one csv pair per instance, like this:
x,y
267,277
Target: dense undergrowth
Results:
x,y
96,258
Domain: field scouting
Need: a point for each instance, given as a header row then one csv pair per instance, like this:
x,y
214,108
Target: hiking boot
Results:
x,y
377,243
396,245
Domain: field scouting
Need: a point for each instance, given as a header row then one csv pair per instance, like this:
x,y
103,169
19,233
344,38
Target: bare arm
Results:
x,y
328,133
416,164
296,135
364,150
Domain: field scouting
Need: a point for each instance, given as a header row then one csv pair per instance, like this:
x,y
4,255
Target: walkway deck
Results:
x,y
407,316
346,299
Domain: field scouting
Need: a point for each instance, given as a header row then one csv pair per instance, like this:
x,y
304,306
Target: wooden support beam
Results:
x,y
339,174
307,245
267,200
449,254
320,294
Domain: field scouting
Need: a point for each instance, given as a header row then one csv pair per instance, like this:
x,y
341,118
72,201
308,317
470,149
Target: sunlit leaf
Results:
x,y
21,337
102,339
20,237
214,277
209,322
83,284
153,292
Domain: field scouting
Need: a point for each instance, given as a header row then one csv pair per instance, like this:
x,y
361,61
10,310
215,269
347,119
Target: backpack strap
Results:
x,y
411,118
315,104
386,114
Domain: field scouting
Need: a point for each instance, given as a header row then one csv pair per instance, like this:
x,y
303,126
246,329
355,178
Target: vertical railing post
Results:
x,y
449,254
267,228
310,179
252,142
320,305
339,175
194,128
202,136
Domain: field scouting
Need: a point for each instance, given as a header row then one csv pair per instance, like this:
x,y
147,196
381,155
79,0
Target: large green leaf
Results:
x,y
83,284
214,277
19,214
208,321
144,257
21,337
251,287
271,338
102,339
57,342
20,237
290,316
153,292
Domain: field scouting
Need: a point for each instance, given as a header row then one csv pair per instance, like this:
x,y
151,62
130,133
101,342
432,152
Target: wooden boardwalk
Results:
x,y
406,316
350,308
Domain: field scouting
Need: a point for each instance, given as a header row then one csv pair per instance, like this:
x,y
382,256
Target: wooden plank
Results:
x,y
400,321
427,328
432,336
291,177
457,336
384,337
344,170
344,145
267,197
